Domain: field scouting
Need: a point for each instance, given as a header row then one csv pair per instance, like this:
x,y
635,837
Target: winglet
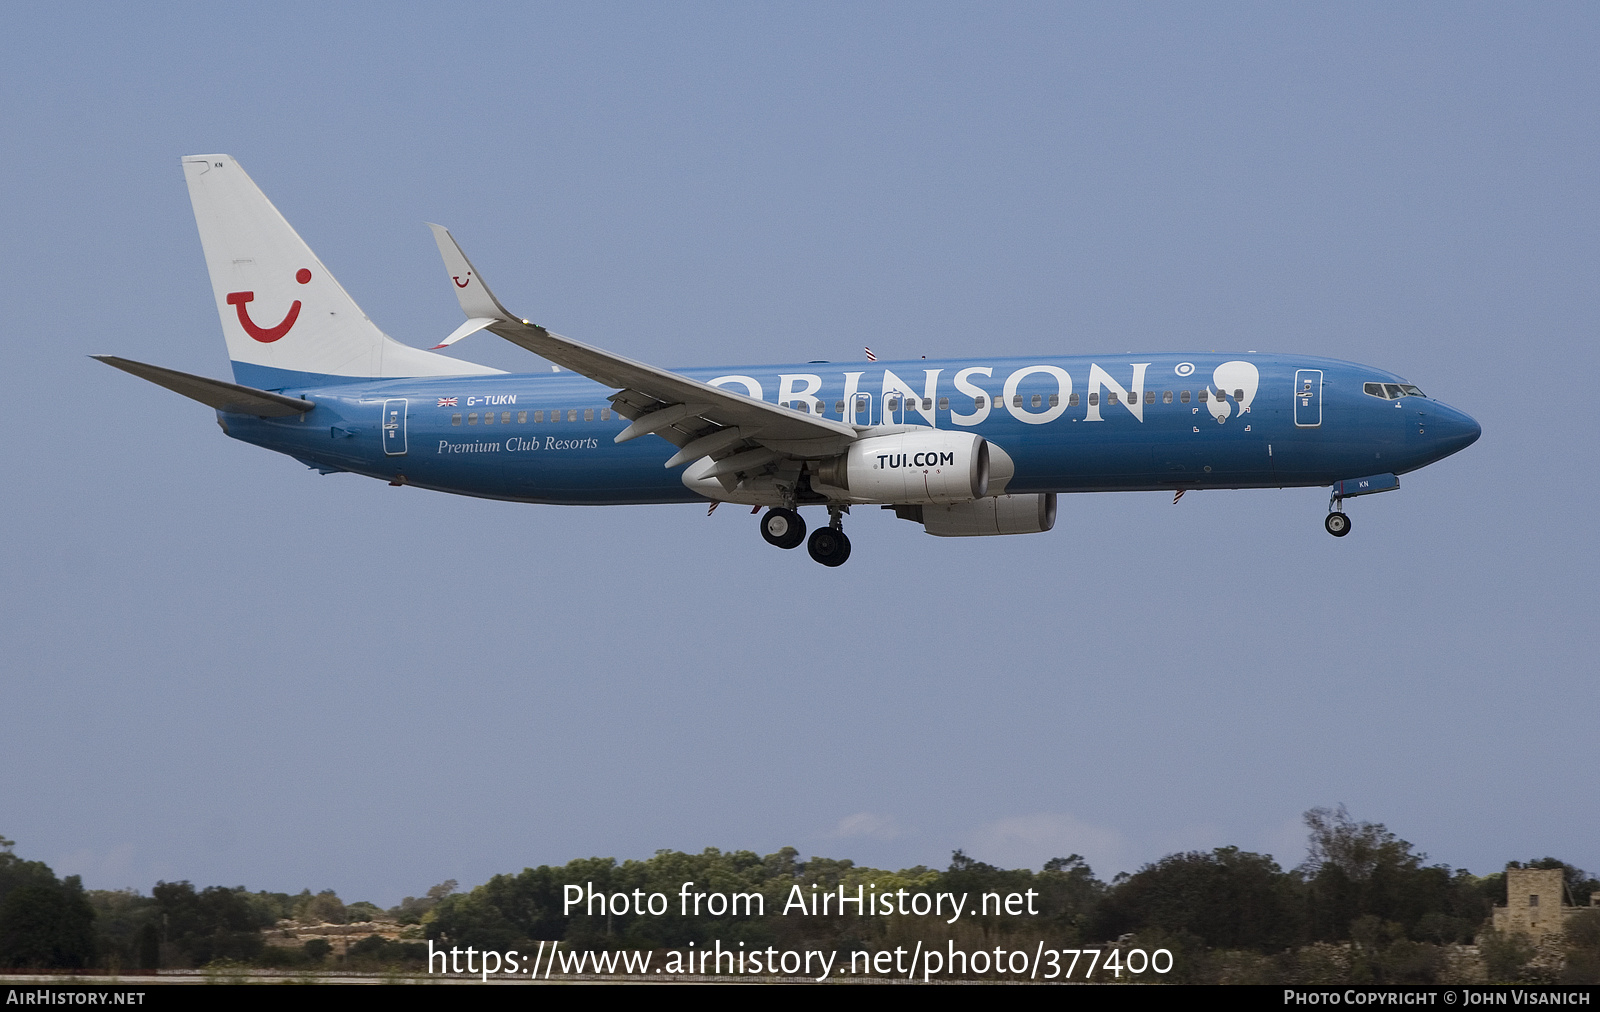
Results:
x,y
467,329
476,300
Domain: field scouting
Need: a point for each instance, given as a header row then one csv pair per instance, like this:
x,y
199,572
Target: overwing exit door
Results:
x,y
394,427
859,409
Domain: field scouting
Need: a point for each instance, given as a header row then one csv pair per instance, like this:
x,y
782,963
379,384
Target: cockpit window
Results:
x,y
1391,391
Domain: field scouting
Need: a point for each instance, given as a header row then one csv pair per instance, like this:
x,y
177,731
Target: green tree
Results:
x,y
1229,899
1505,956
214,923
47,926
1583,949
15,872
1361,869
44,922
324,908
149,942
411,910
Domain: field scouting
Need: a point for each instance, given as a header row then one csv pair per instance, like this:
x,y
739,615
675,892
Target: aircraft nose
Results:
x,y
1453,430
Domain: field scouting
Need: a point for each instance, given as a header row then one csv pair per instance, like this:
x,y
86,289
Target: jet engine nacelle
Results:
x,y
921,466
1006,514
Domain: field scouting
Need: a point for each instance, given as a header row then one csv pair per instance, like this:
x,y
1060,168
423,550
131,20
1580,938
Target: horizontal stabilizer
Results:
x,y
229,397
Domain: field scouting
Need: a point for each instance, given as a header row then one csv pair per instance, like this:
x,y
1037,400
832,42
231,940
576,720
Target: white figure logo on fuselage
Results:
x,y
1237,379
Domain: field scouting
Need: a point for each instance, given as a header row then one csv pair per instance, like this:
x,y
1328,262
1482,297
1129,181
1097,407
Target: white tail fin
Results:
x,y
287,321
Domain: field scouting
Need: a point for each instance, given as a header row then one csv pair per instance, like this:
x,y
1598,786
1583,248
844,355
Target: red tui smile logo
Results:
x,y
266,335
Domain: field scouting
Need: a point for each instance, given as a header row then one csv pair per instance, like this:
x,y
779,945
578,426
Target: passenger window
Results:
x,y
1166,397
894,404
1055,400
588,414
1238,395
944,404
1184,397
1072,400
838,406
1204,396
1111,397
1094,399
927,404
572,414
472,419
505,418
522,418
488,418
1016,401
605,414
1037,400
538,416
978,402
455,419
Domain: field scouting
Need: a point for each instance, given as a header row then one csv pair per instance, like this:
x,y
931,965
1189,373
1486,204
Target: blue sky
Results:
x,y
223,667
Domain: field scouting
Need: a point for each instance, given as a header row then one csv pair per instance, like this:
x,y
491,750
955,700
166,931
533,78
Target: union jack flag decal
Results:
x,y
447,402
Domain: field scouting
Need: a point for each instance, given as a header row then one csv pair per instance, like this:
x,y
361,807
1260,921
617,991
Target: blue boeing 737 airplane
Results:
x,y
964,447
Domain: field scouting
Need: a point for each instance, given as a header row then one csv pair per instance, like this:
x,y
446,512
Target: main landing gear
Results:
x,y
828,545
784,528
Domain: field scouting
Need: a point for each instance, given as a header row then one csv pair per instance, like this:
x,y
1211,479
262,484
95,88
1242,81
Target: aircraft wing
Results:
x,y
229,397
700,419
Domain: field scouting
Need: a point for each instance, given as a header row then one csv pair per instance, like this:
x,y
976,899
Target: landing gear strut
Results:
x,y
1337,523
829,546
783,527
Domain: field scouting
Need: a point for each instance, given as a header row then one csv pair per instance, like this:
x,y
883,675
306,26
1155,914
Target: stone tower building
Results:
x,y
1534,903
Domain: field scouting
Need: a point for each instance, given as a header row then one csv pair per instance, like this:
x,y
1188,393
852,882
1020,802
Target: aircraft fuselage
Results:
x,y
1068,424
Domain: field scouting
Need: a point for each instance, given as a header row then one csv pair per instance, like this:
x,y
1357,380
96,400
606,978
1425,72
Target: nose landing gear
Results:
x,y
1337,523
